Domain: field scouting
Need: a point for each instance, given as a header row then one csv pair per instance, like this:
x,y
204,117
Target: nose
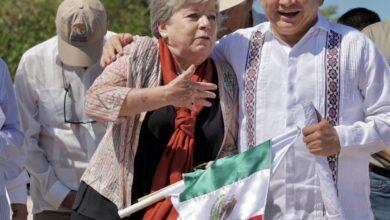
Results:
x,y
204,23
287,2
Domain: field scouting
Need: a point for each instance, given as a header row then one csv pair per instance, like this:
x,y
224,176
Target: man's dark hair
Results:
x,y
359,18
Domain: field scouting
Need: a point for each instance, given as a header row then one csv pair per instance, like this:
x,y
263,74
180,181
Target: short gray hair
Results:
x,y
162,10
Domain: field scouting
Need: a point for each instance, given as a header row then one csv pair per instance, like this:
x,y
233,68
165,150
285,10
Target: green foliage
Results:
x,y
25,23
329,12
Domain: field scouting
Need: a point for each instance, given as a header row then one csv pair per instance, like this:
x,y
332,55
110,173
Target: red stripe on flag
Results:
x,y
259,217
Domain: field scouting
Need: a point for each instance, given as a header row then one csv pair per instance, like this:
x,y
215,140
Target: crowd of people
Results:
x,y
96,121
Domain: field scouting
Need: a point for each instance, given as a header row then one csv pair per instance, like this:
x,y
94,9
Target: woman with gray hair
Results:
x,y
164,109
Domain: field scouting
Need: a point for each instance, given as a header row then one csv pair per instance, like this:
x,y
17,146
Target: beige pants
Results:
x,y
52,215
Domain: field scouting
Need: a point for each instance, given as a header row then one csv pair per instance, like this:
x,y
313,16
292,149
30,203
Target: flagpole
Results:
x,y
152,198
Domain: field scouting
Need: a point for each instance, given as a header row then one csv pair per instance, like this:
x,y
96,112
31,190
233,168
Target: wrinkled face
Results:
x,y
291,18
191,30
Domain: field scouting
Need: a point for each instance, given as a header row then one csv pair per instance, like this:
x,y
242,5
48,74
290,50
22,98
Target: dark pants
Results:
x,y
90,205
380,196
50,215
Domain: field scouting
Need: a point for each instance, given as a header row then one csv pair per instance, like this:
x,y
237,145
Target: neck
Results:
x,y
182,63
294,39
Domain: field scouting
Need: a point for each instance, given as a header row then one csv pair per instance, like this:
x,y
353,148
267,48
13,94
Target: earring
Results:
x,y
164,36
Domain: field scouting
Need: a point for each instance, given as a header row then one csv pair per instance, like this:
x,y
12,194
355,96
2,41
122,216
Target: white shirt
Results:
x,y
13,177
289,76
58,152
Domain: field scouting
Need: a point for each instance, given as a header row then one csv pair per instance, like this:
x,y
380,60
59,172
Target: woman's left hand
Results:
x,y
182,92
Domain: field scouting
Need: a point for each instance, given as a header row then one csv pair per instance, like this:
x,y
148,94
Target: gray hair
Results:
x,y
162,10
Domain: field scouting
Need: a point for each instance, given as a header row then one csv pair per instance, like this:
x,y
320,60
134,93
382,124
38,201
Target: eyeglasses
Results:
x,y
70,115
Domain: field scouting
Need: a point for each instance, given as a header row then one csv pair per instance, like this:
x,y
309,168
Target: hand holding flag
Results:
x,y
321,139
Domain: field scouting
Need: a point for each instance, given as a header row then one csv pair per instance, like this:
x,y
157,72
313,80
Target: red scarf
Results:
x,y
178,155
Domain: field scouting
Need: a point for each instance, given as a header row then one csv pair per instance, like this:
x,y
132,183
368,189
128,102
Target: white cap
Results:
x,y
81,26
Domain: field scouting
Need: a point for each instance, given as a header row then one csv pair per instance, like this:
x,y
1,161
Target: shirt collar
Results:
x,y
322,23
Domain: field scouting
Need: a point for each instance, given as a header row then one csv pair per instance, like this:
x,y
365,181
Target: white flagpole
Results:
x,y
152,198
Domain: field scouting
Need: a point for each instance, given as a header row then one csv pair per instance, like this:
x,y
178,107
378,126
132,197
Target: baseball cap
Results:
x,y
81,26
227,4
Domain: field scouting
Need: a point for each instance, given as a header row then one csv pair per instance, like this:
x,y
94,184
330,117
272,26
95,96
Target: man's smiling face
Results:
x,y
291,18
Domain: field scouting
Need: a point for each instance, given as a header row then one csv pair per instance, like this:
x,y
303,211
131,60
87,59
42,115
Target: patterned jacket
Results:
x,y
110,171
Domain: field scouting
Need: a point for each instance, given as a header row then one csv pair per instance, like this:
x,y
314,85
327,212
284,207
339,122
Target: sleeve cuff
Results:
x,y
22,179
122,94
57,194
18,194
342,136
17,188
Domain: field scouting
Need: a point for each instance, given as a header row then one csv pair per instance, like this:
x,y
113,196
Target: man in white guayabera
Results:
x,y
50,85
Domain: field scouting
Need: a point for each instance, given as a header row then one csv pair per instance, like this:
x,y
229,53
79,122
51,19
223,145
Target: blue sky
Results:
x,y
382,7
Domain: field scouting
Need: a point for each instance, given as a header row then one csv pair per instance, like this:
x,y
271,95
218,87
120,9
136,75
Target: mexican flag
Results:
x,y
231,188
236,187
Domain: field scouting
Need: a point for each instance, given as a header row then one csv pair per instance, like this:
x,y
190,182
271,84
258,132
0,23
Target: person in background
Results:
x,y
236,14
166,113
359,18
379,33
50,84
13,177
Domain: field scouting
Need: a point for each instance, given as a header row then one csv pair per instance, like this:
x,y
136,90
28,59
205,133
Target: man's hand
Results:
x,y
385,154
321,139
19,211
113,48
69,199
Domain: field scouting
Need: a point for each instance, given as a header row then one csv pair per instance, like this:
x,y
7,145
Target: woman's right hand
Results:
x,y
113,48
182,92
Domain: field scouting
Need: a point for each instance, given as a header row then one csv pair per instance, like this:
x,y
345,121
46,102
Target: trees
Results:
x,y
329,12
25,23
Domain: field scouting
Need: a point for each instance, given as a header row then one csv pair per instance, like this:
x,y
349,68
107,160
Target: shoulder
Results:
x,y
35,60
48,48
140,59
379,33
378,29
2,64
4,72
141,44
142,54
237,42
349,35
244,34
108,35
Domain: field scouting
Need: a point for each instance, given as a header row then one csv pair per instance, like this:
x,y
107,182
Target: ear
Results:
x,y
162,28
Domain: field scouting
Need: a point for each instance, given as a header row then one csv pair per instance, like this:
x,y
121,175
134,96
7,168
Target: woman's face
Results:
x,y
191,31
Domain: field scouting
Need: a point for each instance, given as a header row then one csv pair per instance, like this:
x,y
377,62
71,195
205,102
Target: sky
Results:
x,y
382,7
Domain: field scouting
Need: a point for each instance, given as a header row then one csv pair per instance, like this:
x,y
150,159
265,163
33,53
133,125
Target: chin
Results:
x,y
285,29
203,52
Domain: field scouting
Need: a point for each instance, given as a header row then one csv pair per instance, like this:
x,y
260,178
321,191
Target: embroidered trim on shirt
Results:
x,y
252,69
332,102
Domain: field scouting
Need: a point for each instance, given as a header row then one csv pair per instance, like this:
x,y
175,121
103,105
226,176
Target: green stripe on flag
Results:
x,y
226,171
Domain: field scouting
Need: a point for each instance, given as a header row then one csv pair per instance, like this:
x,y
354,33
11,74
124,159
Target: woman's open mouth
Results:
x,y
203,38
